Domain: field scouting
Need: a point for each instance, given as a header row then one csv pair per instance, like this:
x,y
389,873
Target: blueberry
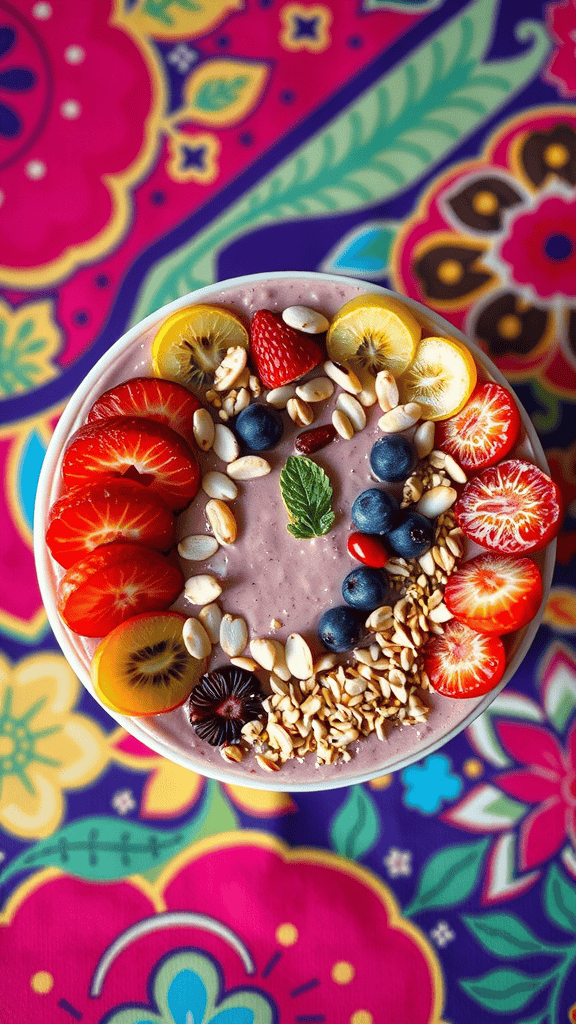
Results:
x,y
258,427
393,458
412,536
341,628
366,588
374,511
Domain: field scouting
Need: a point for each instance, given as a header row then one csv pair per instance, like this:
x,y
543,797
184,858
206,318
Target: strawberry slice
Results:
x,y
280,354
90,515
164,401
149,452
512,508
464,663
114,583
495,593
484,431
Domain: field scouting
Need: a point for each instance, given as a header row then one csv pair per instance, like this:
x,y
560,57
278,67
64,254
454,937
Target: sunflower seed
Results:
x,y
233,635
196,639
264,652
198,547
454,470
367,397
203,429
278,397
248,663
248,467
202,589
298,656
424,439
351,408
386,390
342,424
280,667
222,521
211,616
316,390
302,318
343,376
435,501
400,418
225,445
300,412
219,485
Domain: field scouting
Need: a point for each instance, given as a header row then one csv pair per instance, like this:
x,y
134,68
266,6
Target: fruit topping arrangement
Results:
x,y
234,409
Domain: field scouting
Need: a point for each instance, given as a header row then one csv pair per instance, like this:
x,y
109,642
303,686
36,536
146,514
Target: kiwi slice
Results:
x,y
374,332
143,667
191,344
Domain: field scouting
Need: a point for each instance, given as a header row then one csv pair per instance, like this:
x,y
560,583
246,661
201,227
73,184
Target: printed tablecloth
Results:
x,y
149,147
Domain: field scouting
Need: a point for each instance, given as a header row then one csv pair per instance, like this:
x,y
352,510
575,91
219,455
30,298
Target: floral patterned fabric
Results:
x,y
147,148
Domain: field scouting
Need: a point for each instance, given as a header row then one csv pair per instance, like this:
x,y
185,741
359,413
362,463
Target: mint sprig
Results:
x,y
307,495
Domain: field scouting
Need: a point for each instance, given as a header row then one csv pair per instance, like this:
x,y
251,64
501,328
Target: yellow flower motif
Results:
x,y
29,339
171,791
305,27
45,748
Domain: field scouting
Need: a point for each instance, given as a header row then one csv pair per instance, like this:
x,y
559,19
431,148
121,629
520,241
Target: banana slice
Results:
x,y
192,343
374,332
441,378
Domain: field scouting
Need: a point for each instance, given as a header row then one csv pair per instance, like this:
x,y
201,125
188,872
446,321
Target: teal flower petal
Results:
x,y
430,783
186,998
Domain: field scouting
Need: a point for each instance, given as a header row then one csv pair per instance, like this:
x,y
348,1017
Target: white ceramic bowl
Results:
x,y
170,734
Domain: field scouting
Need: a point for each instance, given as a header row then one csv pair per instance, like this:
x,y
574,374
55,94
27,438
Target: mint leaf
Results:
x,y
307,494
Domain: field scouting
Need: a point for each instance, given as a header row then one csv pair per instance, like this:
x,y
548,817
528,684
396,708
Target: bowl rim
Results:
x,y
137,726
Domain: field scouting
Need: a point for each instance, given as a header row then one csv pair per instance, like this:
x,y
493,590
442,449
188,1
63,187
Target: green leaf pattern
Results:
x,y
355,828
383,142
448,877
218,93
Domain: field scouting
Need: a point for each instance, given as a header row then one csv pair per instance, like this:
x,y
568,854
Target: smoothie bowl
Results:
x,y
294,532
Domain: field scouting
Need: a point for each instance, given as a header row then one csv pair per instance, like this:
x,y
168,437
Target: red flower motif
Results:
x,y
86,137
548,233
301,930
561,70
549,781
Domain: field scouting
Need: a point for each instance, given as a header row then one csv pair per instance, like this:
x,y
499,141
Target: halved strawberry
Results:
x,y
464,663
164,401
513,508
484,431
495,593
114,583
280,354
98,513
149,452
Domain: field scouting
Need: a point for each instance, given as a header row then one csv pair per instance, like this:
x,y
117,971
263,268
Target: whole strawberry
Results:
x,y
279,353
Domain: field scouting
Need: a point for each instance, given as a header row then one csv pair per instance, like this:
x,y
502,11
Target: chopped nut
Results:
x,y
233,752
230,368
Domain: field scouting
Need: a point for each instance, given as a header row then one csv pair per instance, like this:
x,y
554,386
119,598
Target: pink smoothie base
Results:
x,y
171,734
